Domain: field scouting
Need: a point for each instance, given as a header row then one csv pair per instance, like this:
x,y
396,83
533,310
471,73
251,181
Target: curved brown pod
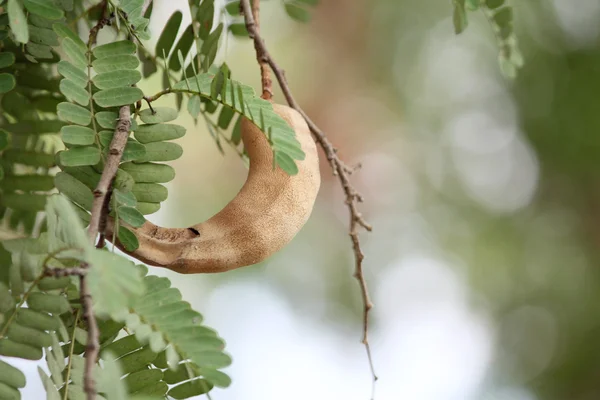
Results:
x,y
265,215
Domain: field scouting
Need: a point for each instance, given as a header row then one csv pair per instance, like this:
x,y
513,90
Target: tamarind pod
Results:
x,y
266,214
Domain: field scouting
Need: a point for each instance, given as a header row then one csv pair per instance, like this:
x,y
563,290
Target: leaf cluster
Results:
x,y
501,18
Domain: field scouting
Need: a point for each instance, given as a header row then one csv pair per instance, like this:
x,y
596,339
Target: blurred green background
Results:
x,y
484,195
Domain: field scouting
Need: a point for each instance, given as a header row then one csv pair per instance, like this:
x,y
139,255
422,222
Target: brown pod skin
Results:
x,y
266,214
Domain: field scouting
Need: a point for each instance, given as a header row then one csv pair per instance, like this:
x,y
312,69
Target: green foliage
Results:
x,y
151,315
235,96
500,17
166,324
60,95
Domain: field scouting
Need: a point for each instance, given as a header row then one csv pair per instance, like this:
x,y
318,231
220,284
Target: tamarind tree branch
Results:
x,y
340,169
265,75
97,225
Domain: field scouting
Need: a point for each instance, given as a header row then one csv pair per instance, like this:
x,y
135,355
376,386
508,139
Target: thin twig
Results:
x,y
102,22
340,169
110,170
93,337
265,75
70,363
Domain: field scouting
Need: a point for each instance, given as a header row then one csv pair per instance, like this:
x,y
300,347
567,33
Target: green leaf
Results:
x,y
148,208
128,239
132,7
459,17
131,216
73,73
42,36
238,30
233,8
211,45
260,112
150,192
80,156
8,392
39,51
109,379
52,283
6,301
51,303
115,63
86,175
123,181
6,59
18,21
63,31
139,380
27,183
225,117
193,106
25,202
161,151
114,282
134,151
107,119
31,158
43,8
78,135
296,12
66,5
168,35
9,348
160,115
217,84
137,360
190,389
74,52
236,134
74,92
51,391
114,49
124,198
38,320
74,190
37,127
73,113
493,4
158,132
118,96
7,83
149,172
123,346
45,103
116,79
504,16
64,223
204,17
12,376
286,163
183,45
162,308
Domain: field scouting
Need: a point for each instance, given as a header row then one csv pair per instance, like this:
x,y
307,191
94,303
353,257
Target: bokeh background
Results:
x,y
484,195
